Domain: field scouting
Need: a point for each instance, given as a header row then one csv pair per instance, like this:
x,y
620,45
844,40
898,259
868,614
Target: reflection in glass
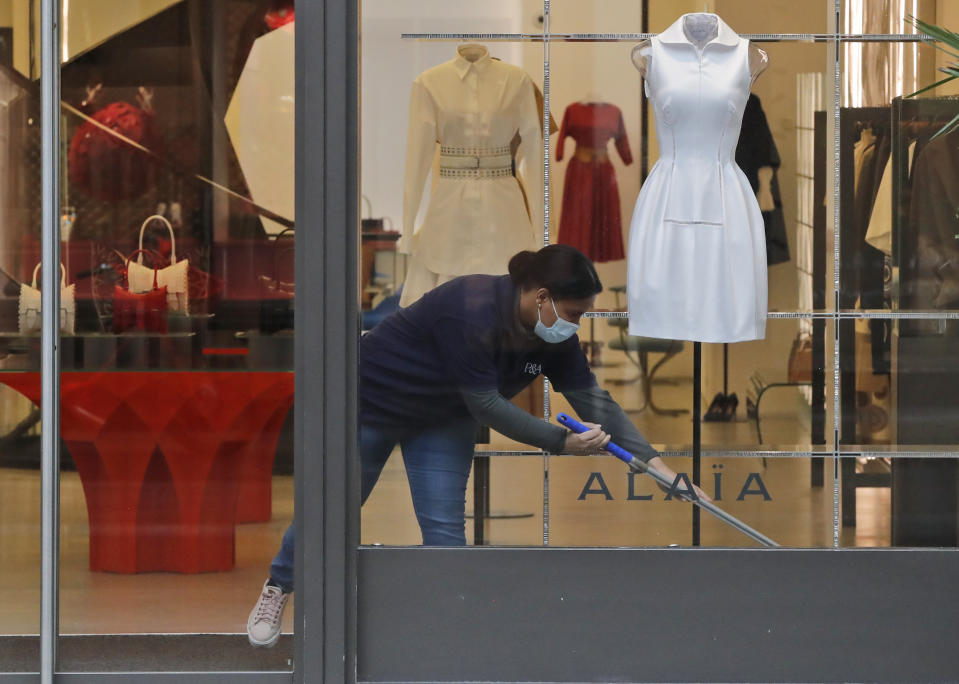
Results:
x,y
20,510
176,360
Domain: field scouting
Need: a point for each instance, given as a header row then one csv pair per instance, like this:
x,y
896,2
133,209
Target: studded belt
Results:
x,y
475,162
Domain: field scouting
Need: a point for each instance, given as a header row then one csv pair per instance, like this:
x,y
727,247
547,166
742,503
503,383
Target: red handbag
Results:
x,y
146,311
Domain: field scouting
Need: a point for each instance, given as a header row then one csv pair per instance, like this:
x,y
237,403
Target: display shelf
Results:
x,y
899,450
686,451
845,314
635,37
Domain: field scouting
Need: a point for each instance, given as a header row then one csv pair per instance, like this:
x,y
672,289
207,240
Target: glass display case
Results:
x,y
819,384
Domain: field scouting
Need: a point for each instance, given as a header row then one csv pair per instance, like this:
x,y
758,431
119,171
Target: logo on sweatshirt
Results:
x,y
533,368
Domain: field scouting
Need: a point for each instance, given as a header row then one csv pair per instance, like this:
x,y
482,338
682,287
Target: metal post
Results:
x,y
50,336
643,109
480,499
546,151
697,429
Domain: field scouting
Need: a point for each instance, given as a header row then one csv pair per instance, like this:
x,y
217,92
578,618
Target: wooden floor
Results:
x,y
590,504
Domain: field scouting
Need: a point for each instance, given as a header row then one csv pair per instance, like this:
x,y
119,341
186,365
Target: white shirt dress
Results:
x,y
697,245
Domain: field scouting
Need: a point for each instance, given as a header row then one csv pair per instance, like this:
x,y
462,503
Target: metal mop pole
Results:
x,y
641,467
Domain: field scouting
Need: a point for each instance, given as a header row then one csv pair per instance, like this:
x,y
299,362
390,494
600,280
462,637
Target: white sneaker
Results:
x,y
263,627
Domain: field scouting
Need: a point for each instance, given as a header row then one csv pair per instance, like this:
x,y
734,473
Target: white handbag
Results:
x,y
173,277
30,318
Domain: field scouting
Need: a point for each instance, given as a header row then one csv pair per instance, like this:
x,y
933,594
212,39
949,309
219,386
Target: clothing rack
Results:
x,y
852,121
924,497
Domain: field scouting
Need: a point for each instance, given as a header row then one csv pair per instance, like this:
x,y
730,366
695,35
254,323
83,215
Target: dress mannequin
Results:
x,y
471,52
700,29
696,263
476,217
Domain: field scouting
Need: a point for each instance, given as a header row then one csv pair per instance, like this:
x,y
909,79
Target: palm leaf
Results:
x,y
930,87
944,37
948,128
947,41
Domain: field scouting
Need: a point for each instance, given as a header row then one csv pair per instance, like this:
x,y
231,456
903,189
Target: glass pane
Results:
x,y
897,221
774,393
899,436
897,499
20,526
177,380
467,222
596,501
509,491
777,405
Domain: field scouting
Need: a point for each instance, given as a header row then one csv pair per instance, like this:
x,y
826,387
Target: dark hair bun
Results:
x,y
563,270
520,265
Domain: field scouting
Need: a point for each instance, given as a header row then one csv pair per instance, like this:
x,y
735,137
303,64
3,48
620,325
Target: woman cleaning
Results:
x,y
432,373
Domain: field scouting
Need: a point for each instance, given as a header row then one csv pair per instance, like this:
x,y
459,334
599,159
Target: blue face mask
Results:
x,y
560,331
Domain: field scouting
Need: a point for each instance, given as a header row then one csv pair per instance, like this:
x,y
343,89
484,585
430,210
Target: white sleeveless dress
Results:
x,y
697,246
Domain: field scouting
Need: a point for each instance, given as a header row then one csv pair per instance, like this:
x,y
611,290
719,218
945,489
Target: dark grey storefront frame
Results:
x,y
327,335
486,614
547,615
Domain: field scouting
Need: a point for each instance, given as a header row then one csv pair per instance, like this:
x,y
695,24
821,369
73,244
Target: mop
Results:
x,y
639,466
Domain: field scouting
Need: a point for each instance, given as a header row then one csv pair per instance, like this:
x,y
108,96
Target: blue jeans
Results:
x,y
438,461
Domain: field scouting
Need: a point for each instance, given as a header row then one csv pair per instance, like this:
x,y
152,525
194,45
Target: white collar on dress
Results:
x,y
676,34
462,65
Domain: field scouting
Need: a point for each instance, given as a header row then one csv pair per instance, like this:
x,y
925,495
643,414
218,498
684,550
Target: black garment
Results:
x,y
933,269
756,149
9,302
871,261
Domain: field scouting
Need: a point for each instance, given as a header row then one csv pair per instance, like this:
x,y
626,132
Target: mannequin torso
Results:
x,y
700,29
697,234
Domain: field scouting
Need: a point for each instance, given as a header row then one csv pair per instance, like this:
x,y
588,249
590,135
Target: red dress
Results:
x,y
591,220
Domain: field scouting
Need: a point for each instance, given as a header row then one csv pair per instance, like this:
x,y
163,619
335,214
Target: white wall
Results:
x,y
388,66
947,16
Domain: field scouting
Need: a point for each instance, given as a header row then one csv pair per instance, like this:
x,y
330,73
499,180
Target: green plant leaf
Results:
x,y
941,35
948,128
930,87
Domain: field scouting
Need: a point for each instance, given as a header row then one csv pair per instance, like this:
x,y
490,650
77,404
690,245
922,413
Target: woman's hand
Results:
x,y
660,465
592,441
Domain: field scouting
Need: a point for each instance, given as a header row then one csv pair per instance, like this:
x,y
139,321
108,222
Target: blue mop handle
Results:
x,y
577,427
